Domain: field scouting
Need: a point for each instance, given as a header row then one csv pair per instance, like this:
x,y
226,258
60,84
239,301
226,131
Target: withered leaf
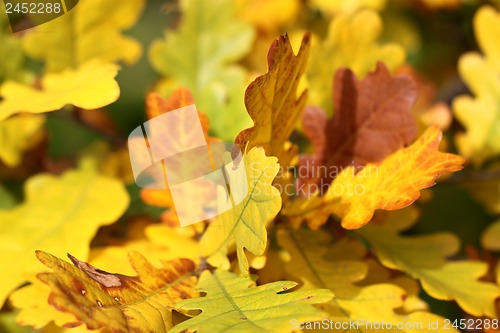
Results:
x,y
372,120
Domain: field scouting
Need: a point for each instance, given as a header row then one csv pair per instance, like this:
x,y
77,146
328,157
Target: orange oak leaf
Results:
x,y
373,119
271,101
390,185
396,182
120,303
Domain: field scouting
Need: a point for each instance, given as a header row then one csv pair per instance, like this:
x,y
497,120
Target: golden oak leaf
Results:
x,y
317,264
245,224
91,30
377,273
140,303
272,102
393,184
35,311
351,42
480,114
396,182
445,280
373,119
18,134
201,56
233,303
59,214
90,86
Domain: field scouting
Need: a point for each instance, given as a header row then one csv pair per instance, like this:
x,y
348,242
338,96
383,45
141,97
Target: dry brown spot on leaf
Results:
x,y
104,278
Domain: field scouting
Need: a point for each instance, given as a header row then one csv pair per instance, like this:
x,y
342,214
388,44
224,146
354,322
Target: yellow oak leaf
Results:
x,y
59,214
316,265
351,42
89,87
91,30
245,224
201,56
233,303
491,237
272,101
393,184
442,279
480,115
18,134
140,303
35,311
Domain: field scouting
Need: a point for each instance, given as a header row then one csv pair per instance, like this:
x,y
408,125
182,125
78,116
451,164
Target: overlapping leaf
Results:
x,y
234,303
373,119
393,184
352,42
140,303
201,56
59,214
456,280
92,30
17,135
480,114
316,265
90,86
35,310
272,101
245,224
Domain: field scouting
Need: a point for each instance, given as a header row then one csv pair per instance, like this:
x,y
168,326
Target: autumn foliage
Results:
x,y
349,136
